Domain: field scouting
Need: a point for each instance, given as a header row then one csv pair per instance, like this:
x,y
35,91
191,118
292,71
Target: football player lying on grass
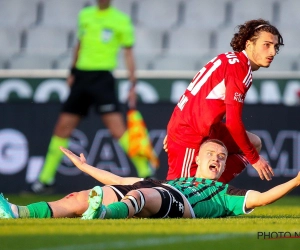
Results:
x,y
201,196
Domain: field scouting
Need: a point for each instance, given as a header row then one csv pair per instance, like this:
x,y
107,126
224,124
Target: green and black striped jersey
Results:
x,y
211,199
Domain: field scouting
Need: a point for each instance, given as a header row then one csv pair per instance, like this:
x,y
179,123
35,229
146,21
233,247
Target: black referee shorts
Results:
x,y
92,88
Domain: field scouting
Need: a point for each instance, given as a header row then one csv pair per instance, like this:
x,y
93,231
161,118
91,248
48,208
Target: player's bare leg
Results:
x,y
74,204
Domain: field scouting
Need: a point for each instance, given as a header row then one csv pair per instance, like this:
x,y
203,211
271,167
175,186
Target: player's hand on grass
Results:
x,y
263,169
165,144
78,161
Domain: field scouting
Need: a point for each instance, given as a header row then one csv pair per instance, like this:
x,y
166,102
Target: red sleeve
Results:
x,y
237,130
236,91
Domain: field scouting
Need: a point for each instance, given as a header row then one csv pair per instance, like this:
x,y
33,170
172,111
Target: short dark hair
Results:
x,y
215,141
250,31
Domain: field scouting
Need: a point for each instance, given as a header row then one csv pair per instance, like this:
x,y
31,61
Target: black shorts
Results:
x,y
92,88
172,201
122,190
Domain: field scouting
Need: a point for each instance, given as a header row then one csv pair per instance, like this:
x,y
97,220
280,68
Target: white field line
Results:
x,y
154,241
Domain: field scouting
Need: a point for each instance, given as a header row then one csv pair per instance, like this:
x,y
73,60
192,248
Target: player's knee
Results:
x,y
257,144
255,140
80,197
71,195
78,201
137,200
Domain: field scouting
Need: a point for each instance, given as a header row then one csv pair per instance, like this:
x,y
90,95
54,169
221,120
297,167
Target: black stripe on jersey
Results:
x,y
179,180
220,189
193,180
192,184
235,191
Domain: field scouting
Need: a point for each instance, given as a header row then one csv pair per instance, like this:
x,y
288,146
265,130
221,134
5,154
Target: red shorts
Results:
x,y
182,160
235,164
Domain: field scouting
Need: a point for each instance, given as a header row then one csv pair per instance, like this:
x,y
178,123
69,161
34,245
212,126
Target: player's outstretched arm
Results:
x,y
103,176
257,199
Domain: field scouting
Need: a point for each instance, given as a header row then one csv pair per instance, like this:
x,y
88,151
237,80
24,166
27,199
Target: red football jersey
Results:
x,y
217,91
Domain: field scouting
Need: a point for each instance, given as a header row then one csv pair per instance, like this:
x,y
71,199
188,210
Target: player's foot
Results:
x,y
38,187
95,210
5,209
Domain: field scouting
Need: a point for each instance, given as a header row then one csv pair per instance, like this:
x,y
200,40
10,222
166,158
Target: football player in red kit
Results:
x,y
212,105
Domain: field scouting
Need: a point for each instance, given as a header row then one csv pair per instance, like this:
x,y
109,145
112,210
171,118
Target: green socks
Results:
x,y
35,210
53,159
116,210
140,163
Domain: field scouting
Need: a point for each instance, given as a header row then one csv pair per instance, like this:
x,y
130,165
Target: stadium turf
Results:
x,y
276,226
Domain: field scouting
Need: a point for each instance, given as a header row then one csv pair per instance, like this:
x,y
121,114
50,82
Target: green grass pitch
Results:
x,y
281,218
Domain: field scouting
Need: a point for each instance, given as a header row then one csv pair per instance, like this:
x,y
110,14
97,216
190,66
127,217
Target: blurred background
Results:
x,y
174,39
40,34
